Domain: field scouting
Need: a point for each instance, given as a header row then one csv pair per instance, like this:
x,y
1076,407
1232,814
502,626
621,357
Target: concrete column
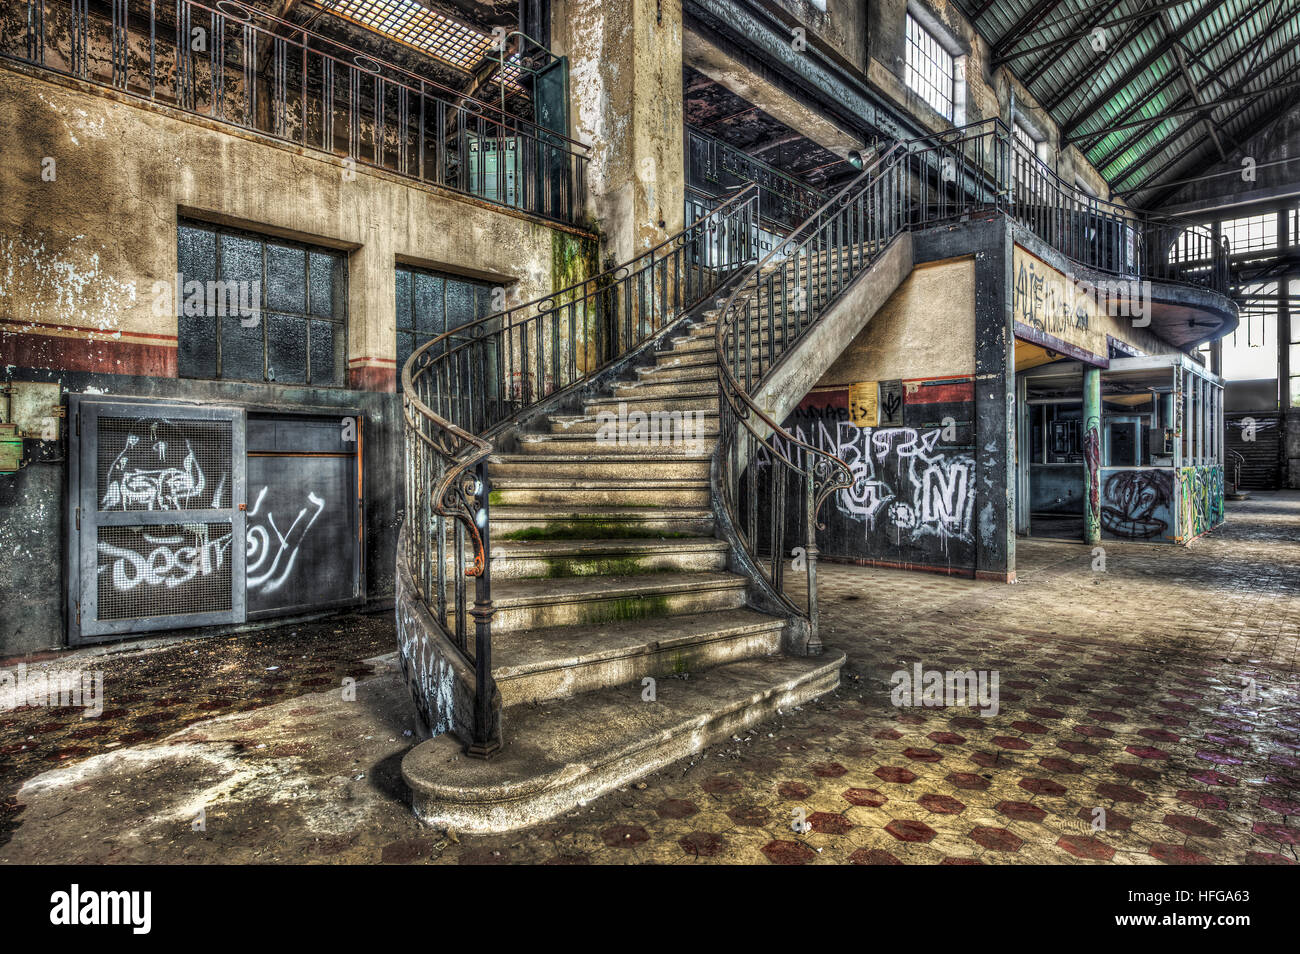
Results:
x,y
1092,454
625,92
995,404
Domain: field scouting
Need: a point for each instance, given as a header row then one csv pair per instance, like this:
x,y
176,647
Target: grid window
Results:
x,y
1192,244
431,303
929,68
1251,352
1250,233
414,24
1025,137
1293,308
252,308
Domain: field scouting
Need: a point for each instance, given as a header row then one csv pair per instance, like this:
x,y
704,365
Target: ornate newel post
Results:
x,y
810,552
1092,455
487,737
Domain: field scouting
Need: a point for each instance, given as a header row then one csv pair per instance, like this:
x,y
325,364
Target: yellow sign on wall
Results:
x,y
1054,306
864,404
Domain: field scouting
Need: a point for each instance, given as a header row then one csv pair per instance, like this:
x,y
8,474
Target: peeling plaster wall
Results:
x,y
79,257
82,252
625,62
912,338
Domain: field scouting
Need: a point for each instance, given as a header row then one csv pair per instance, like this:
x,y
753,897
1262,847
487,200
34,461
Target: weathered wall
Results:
x,y
625,62
913,500
80,255
926,329
912,503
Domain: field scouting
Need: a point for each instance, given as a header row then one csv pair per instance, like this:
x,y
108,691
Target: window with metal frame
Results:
x,y
254,308
430,303
930,68
1250,233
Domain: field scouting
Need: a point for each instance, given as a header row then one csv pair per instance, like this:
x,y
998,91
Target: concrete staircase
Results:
x,y
606,571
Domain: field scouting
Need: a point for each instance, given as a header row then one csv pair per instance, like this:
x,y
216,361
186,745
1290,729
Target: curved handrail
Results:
x,y
929,181
462,386
738,409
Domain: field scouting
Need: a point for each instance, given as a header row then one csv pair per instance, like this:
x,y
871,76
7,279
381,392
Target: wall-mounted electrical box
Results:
x,y
35,408
11,449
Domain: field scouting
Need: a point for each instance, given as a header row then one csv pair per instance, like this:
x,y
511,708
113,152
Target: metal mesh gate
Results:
x,y
158,491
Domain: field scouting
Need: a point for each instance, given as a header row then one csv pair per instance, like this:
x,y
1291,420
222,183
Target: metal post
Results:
x,y
1092,454
485,743
810,554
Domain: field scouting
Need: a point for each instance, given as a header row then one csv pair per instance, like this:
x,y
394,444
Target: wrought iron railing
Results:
x,y
460,387
770,309
715,169
236,64
938,179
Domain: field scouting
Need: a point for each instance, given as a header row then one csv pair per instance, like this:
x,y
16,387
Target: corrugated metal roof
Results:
x,y
1127,96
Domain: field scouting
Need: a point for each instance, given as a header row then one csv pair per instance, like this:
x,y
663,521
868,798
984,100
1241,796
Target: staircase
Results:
x,y
607,573
632,600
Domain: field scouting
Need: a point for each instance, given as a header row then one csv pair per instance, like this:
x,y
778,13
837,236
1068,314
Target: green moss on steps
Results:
x,y
590,530
627,608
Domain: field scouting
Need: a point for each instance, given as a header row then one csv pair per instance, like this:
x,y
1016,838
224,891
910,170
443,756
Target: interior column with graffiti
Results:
x,y
1092,454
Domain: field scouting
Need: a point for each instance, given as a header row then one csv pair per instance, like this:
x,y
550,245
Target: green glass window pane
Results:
x,y
196,253
404,317
327,358
241,259
196,347
428,304
460,303
328,286
286,344
286,278
241,349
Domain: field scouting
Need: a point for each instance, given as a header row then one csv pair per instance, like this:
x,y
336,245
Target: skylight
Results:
x,y
415,25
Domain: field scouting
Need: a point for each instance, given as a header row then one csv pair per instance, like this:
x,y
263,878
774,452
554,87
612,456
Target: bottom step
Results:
x,y
559,754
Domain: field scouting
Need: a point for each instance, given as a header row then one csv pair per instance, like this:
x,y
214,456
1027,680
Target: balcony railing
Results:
x,y
236,64
461,387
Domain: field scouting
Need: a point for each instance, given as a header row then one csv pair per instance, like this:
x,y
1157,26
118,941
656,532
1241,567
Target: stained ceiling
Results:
x,y
1151,91
713,109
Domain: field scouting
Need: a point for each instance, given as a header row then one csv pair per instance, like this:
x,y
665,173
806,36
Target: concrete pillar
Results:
x,y
1092,454
625,92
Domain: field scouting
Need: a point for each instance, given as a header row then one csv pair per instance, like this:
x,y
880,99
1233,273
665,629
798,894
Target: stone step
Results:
x,y
589,600
661,436
688,359
559,754
651,402
591,423
629,490
599,523
643,388
542,664
648,465
663,373
559,559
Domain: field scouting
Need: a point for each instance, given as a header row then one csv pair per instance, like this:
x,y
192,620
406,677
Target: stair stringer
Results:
x,y
780,392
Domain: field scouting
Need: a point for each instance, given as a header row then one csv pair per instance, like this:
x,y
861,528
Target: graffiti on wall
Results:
x,y
1200,497
272,552
913,495
157,467
1137,504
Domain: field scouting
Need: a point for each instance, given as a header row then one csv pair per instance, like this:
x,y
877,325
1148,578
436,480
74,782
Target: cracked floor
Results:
x,y
1162,691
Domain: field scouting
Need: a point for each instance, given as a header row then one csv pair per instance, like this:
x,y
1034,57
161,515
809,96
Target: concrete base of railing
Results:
x,y
557,757
440,679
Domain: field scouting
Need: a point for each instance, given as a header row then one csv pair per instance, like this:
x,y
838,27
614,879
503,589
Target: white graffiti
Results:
x,y
172,562
903,477
159,472
272,554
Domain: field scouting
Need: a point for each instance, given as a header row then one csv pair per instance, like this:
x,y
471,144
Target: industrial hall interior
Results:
x,y
650,431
